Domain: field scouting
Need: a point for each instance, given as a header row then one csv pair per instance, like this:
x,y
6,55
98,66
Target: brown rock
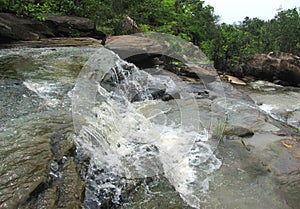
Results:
x,y
233,80
278,67
24,169
140,48
238,131
55,42
71,187
129,26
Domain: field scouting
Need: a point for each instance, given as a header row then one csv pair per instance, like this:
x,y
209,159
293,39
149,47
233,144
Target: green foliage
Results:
x,y
227,45
145,28
38,8
287,30
4,5
234,44
75,35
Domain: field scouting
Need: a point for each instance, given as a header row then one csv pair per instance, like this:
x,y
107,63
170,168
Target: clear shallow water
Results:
x,y
143,153
176,139
281,103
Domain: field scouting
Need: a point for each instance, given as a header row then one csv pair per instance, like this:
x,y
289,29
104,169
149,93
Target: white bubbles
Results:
x,y
130,131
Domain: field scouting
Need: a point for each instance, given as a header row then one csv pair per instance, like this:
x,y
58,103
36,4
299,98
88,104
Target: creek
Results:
x,y
144,138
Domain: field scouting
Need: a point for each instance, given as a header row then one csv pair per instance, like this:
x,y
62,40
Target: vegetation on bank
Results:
x,y
227,45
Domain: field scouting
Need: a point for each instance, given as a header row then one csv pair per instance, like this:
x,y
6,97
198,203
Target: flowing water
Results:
x,y
152,140
139,138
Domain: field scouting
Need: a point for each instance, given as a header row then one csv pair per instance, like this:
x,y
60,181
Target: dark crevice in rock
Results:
x,y
42,187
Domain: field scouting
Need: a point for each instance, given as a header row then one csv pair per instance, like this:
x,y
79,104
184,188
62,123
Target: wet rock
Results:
x,y
265,86
168,97
153,192
129,45
201,72
62,144
293,146
25,166
64,192
46,199
238,131
71,187
31,176
281,133
285,167
157,93
153,92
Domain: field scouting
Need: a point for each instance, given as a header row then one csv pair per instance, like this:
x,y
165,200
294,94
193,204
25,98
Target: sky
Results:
x,y
236,10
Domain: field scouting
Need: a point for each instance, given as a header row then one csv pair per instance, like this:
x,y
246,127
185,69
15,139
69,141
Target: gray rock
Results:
x,y
72,26
238,131
14,28
140,48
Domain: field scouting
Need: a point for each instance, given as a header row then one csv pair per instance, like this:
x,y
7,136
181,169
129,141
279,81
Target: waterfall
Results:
x,y
127,132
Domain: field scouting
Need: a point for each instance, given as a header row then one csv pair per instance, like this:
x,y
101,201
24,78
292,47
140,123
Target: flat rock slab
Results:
x,y
37,173
17,28
55,42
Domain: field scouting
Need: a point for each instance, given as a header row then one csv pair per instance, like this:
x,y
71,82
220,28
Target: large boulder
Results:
x,y
13,28
277,67
72,26
143,49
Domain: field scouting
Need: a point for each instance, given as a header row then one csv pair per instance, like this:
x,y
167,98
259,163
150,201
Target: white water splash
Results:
x,y
142,139
44,90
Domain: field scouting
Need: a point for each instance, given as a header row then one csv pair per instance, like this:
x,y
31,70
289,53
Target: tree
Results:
x,y
287,31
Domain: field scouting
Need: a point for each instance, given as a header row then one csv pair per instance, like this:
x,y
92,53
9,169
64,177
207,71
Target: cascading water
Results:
x,y
128,135
142,149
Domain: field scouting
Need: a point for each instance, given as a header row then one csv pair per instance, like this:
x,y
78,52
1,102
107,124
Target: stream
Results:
x,y
144,138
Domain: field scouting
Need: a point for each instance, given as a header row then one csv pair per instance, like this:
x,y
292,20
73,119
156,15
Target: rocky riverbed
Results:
x,y
253,141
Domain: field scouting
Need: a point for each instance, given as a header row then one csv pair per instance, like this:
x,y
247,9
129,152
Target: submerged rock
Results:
x,y
39,171
153,192
24,168
65,192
